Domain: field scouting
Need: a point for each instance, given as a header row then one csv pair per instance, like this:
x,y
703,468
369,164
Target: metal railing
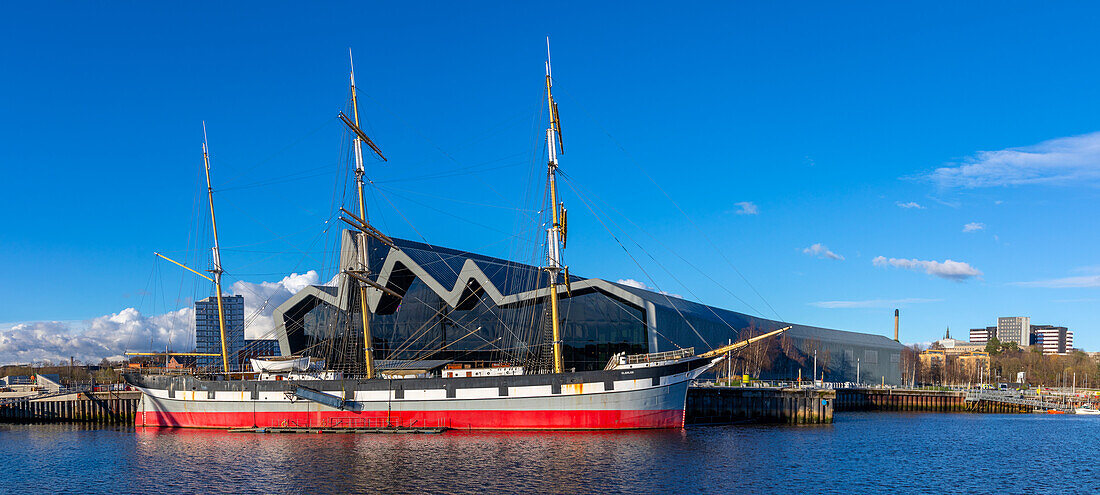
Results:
x,y
1016,399
756,383
48,395
660,356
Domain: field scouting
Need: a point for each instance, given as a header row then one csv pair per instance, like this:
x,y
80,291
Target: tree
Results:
x,y
910,364
758,355
106,375
993,347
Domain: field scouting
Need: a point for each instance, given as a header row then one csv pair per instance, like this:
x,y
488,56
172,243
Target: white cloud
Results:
x,y
910,205
110,336
1061,161
1064,283
747,208
107,336
948,269
822,251
871,303
973,227
261,299
629,282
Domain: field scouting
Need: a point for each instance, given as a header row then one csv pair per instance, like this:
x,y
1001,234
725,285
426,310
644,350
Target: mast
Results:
x,y
555,234
217,270
368,347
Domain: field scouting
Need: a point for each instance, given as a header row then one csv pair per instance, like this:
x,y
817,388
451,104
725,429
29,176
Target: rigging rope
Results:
x,y
575,187
248,169
678,208
639,265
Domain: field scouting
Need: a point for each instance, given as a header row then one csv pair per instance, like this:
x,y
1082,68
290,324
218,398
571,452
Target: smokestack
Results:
x,y
896,326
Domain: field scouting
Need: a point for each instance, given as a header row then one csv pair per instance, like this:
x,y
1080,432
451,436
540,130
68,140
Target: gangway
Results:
x,y
1016,399
320,397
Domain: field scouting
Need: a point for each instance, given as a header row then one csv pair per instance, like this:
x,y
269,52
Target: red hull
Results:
x,y
474,420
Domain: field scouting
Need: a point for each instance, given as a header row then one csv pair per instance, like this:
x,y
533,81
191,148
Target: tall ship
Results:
x,y
371,351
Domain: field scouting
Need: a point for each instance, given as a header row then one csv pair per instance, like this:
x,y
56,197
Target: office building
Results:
x,y
208,333
982,335
1049,338
1014,329
1052,339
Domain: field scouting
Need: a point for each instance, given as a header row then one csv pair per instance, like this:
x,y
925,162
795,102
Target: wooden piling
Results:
x,y
95,407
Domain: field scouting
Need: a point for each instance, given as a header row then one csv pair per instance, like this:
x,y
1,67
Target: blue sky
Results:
x,y
796,143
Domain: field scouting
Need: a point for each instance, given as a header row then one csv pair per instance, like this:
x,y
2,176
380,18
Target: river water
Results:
x,y
859,453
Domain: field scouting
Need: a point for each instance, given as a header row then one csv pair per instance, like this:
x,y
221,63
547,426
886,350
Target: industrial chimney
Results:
x,y
896,326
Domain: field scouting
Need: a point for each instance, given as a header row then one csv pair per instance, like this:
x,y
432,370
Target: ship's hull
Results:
x,y
615,399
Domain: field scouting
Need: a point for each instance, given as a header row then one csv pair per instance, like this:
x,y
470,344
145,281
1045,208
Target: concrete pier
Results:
x,y
874,399
84,407
729,405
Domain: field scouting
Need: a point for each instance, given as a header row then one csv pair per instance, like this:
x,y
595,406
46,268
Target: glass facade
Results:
x,y
682,323
208,332
257,348
593,328
448,320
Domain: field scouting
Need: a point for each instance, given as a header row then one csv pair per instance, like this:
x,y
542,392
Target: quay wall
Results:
x,y
705,405
875,399
729,405
85,407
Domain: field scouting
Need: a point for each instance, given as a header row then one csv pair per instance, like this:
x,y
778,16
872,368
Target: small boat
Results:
x,y
288,363
1086,409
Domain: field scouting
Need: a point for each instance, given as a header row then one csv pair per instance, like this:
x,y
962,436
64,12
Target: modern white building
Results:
x,y
982,335
1052,339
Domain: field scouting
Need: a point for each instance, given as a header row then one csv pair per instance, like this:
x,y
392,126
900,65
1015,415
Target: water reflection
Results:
x,y
454,462
860,453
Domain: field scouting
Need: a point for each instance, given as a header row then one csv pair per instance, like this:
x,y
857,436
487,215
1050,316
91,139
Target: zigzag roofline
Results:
x,y
469,277
399,269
